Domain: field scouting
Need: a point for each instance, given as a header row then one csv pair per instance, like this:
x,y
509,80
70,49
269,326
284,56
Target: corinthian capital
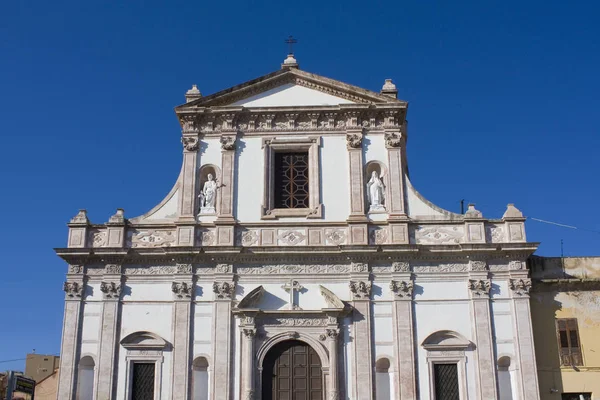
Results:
x,y
224,290
190,143
111,290
361,289
73,289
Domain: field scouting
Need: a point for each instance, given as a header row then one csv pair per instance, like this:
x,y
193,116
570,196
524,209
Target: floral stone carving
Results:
x,y
361,289
182,290
354,140
402,289
111,290
480,287
73,289
190,143
224,290
520,287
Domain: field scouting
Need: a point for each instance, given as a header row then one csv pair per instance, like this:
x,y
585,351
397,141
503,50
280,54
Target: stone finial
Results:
x,y
290,62
192,94
472,212
389,89
512,212
80,218
118,217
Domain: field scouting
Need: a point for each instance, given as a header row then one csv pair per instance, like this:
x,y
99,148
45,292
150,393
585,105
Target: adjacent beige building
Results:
x,y
565,307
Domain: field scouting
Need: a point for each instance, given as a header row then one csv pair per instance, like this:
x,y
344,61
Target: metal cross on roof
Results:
x,y
291,41
292,286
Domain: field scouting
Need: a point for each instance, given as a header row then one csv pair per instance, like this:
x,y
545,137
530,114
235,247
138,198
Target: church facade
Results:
x,y
294,259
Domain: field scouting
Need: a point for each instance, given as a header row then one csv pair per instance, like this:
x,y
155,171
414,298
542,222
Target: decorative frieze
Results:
x,y
290,321
477,266
401,266
520,287
480,287
150,238
184,268
111,290
224,290
402,289
438,234
151,270
182,290
516,265
361,290
190,143
73,289
224,268
335,236
75,269
112,269
449,267
360,267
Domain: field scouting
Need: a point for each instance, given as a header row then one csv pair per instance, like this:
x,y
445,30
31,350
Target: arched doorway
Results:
x,y
292,370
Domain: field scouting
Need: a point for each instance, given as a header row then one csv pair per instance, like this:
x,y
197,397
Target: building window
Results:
x,y
576,396
446,382
142,387
291,180
568,341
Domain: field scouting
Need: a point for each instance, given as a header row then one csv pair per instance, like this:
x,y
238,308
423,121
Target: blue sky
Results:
x,y
503,108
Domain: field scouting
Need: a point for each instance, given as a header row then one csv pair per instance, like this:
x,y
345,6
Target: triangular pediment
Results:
x,y
289,88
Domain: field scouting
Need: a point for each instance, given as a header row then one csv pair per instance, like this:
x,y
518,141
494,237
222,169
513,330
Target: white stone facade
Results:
x,y
382,294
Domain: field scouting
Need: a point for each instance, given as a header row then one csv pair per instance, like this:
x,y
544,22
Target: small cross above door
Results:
x,y
292,287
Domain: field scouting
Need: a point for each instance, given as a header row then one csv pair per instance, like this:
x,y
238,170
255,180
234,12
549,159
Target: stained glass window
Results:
x,y
291,180
142,387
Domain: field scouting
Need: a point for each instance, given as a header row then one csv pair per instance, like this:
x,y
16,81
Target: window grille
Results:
x,y
143,381
291,180
576,396
446,382
568,341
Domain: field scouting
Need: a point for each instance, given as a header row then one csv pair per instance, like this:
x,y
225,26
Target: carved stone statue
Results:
x,y
208,196
375,192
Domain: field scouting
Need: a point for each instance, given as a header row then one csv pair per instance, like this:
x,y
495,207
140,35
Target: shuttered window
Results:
x,y
568,342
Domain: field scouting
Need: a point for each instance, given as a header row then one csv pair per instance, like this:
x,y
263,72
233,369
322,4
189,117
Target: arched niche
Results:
x,y
383,379
200,378
203,173
382,172
85,378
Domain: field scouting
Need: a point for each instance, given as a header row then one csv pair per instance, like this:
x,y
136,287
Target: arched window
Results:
x,y
382,379
200,379
504,378
85,378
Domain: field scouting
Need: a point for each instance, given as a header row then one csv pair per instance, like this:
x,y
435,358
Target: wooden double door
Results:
x,y
292,371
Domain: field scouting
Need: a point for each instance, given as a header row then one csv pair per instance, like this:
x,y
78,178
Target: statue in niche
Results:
x,y
208,196
375,192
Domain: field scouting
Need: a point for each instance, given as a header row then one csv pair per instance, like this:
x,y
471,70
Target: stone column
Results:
x,y
527,373
111,287
74,289
225,221
479,287
332,346
224,289
404,336
360,287
183,293
248,363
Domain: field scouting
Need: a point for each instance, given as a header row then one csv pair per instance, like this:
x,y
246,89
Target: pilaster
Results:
x,y
248,334
354,137
523,334
111,287
479,287
187,199
394,141
224,293
225,220
402,286
360,287
183,294
332,334
74,289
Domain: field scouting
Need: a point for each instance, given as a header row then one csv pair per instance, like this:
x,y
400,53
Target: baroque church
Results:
x,y
293,259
